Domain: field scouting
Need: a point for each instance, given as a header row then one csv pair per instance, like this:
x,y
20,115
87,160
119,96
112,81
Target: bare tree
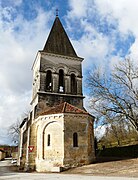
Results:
x,y
119,134
14,131
114,95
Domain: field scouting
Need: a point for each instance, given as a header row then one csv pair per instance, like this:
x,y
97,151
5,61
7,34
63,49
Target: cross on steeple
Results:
x,y
57,12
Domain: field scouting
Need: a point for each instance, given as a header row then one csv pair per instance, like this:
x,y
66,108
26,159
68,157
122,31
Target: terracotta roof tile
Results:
x,y
64,108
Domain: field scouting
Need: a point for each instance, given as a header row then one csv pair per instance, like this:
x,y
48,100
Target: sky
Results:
x,y
103,32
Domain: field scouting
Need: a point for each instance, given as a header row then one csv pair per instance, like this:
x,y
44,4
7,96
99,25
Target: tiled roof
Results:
x,y
64,108
58,41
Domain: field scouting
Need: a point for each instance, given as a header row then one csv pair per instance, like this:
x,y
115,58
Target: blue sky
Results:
x,y
103,32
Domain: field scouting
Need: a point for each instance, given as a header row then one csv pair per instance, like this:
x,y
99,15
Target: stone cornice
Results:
x,y
61,56
60,94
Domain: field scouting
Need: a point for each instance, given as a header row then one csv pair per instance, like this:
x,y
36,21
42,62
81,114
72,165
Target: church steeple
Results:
x,y
57,72
58,41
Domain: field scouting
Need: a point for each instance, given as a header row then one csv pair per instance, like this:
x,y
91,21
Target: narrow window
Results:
x,y
35,111
75,140
73,84
48,140
31,115
61,80
49,81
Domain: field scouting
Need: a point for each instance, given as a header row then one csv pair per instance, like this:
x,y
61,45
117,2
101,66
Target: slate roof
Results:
x,y
64,108
58,41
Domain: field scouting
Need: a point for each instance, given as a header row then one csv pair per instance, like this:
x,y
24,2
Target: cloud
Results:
x,y
20,40
78,10
100,131
124,12
12,106
95,50
89,40
10,3
113,24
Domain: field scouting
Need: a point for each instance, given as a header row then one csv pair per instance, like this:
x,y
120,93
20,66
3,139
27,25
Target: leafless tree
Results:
x,y
14,129
114,95
118,134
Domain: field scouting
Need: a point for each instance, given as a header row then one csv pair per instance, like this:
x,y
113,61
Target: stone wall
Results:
x,y
50,155
51,100
45,62
54,63
51,137
84,153
32,143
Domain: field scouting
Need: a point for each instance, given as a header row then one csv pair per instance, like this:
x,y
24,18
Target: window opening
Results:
x,y
48,140
75,140
35,111
31,115
49,81
73,84
61,80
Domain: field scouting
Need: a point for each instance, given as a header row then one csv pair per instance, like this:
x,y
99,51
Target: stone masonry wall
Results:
x,y
84,153
54,64
32,142
50,156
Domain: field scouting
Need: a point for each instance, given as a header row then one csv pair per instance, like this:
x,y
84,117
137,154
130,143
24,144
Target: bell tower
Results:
x,y
57,72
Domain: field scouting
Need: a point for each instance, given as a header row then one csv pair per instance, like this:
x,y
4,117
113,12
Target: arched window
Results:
x,y
73,84
75,140
48,81
48,140
61,80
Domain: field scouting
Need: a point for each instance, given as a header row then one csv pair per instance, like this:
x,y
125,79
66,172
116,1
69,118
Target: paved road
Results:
x,y
5,173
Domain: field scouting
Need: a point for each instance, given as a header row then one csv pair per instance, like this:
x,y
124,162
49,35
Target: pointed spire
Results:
x,y
58,41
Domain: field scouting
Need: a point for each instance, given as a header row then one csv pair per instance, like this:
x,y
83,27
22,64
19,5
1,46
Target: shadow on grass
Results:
x,y
117,153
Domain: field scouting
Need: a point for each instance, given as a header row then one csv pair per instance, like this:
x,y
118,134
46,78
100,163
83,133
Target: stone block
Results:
x,y
56,169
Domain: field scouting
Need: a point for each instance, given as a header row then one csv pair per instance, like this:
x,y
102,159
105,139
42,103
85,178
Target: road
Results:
x,y
6,173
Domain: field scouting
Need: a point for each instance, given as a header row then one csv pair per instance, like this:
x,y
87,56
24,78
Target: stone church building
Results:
x,y
58,134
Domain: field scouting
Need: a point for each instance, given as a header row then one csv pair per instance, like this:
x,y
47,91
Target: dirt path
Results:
x,y
6,174
126,168
5,167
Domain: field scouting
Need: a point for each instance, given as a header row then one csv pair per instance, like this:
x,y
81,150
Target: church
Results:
x,y
58,133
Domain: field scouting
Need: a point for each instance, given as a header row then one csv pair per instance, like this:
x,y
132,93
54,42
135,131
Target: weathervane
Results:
x,y
57,12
